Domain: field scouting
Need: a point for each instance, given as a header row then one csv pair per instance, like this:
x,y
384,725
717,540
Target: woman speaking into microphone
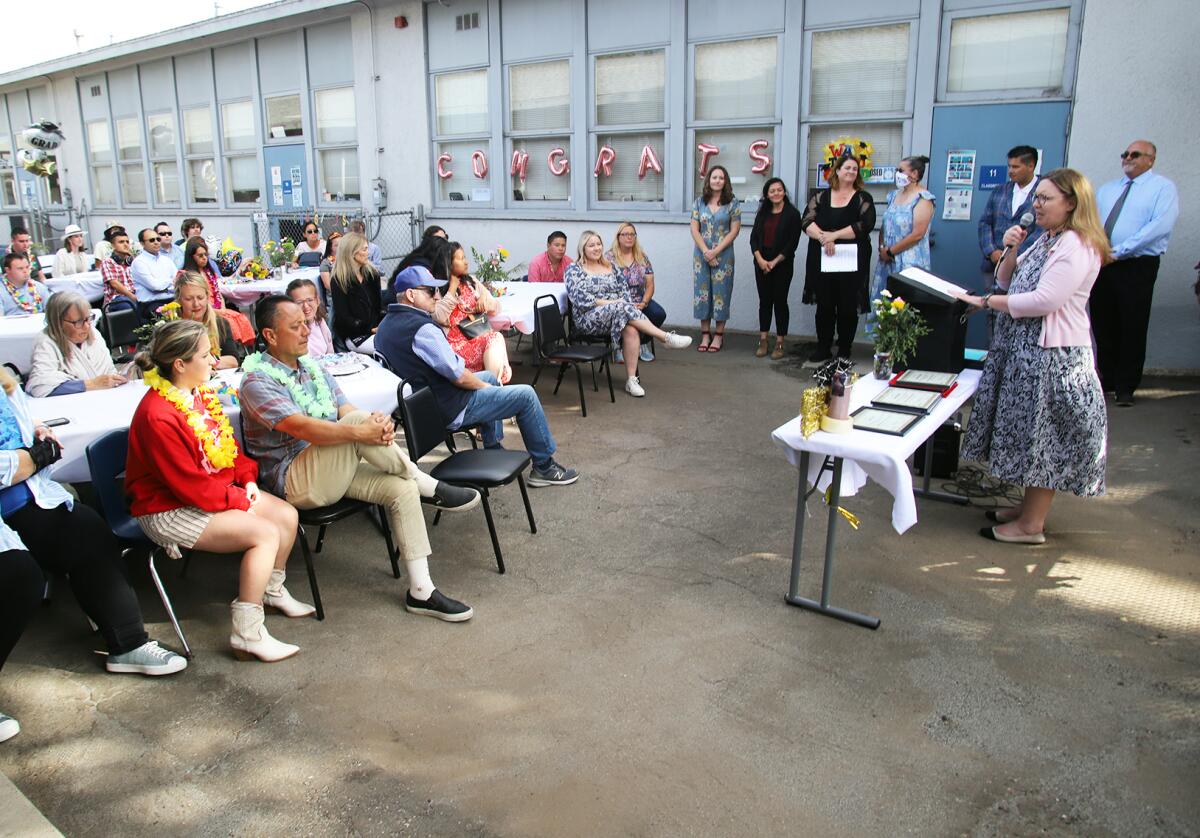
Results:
x,y
1039,419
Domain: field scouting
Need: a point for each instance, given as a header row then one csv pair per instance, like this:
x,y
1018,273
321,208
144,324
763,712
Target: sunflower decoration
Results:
x,y
859,149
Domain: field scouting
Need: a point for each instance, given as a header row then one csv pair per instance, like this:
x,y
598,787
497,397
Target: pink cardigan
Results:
x,y
1062,293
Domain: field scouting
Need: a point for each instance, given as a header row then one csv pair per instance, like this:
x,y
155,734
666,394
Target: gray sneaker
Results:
x,y
552,475
8,727
147,659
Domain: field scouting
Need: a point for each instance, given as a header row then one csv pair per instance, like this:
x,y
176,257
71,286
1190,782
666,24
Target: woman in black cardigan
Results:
x,y
773,241
355,288
845,212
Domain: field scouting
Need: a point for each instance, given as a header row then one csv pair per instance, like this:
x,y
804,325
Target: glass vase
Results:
x,y
883,365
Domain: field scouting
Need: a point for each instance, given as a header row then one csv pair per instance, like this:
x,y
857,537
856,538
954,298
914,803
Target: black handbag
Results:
x,y
475,326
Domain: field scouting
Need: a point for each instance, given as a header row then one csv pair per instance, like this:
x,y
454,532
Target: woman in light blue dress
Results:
x,y
716,222
904,234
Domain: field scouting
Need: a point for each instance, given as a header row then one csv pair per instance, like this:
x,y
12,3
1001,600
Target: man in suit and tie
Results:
x,y
1139,210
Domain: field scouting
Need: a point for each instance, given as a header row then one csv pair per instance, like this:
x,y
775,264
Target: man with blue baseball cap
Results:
x,y
418,351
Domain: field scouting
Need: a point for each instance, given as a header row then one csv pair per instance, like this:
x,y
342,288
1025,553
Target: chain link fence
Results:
x,y
396,232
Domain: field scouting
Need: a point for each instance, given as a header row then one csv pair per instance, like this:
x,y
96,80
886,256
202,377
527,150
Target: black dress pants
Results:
x,y
837,305
773,296
1120,310
78,543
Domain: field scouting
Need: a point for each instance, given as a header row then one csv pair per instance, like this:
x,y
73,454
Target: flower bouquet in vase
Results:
x,y
280,254
165,313
490,270
898,327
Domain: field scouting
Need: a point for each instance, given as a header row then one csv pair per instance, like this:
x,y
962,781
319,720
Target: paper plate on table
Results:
x,y
338,365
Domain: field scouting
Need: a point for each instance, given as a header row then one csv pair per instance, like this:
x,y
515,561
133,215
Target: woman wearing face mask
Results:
x,y
904,234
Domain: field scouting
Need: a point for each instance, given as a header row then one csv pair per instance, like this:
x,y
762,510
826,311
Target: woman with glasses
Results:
x,y
1039,419
303,292
357,301
69,356
634,266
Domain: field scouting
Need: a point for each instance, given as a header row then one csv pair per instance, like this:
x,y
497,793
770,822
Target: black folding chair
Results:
x,y
550,337
482,469
119,325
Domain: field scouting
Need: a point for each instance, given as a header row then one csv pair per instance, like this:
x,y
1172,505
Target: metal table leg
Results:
x,y
927,477
793,597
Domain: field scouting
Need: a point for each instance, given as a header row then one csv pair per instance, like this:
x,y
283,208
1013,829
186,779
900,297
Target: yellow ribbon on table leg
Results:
x,y
850,517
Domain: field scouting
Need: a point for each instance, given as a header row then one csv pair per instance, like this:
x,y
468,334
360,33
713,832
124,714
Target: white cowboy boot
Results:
x,y
276,596
250,638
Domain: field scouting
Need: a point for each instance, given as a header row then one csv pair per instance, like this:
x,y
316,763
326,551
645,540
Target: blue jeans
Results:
x,y
656,314
491,405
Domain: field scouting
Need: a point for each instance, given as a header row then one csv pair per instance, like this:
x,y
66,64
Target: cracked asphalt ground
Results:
x,y
637,672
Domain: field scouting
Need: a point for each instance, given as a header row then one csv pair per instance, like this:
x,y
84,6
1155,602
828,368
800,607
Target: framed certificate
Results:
x,y
903,398
880,421
925,379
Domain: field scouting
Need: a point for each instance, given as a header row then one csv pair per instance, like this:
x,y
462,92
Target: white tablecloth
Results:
x,y
516,306
89,284
94,413
247,293
17,333
879,456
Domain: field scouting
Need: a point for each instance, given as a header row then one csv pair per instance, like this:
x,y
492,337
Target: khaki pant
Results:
x,y
324,474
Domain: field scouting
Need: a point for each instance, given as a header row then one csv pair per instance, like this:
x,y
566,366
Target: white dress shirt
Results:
x,y
153,276
1020,193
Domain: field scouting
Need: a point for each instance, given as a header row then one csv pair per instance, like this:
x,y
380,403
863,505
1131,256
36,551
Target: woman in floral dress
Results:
x,y
600,303
465,297
1039,419
716,222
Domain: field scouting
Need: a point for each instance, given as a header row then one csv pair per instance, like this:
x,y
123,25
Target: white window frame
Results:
x,y
1070,56
212,156
119,164
875,116
267,139
153,160
318,199
92,165
770,125
594,131
483,138
227,156
9,170
511,137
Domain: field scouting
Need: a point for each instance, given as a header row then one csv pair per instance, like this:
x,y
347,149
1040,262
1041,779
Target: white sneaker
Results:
x,y
8,727
634,387
676,341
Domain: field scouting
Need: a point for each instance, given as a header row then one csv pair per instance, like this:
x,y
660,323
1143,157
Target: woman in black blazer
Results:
x,y
773,241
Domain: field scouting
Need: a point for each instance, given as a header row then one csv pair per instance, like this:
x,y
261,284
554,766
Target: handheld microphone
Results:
x,y
1025,223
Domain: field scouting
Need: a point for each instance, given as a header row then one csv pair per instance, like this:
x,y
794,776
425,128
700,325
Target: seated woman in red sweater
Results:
x,y
192,486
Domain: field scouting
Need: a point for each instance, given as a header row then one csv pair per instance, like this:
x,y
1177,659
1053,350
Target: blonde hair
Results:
x,y
585,237
344,268
176,339
57,308
1084,220
639,255
195,280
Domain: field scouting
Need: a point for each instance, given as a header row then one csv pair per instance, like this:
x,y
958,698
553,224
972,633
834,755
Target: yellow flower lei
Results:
x,y
224,451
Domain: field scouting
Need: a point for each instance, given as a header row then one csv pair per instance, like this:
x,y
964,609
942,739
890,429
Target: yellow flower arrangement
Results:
x,y
859,149
221,453
169,311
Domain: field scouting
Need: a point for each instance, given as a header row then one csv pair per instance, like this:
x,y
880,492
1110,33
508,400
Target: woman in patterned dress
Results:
x,y
1039,419
600,303
716,222
465,297
635,268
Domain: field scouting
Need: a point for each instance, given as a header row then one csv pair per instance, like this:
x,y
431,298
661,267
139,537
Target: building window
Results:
x,y
164,170
129,155
8,177
283,117
859,71
239,145
539,103
630,115
198,148
133,183
100,158
733,152
736,80
461,108
1019,51
886,138
337,167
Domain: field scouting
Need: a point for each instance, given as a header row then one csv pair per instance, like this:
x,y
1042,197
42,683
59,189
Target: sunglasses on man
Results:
x,y
1133,155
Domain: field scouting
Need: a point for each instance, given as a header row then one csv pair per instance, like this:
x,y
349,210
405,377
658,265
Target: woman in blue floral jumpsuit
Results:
x,y
716,222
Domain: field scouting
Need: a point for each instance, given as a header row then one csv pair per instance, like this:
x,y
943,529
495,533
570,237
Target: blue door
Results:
x,y
990,131
288,189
